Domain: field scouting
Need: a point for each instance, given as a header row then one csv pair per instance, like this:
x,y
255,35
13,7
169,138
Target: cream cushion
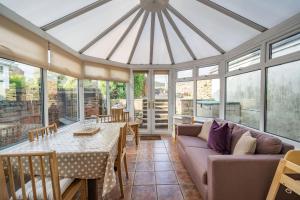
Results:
x,y
63,182
205,130
245,145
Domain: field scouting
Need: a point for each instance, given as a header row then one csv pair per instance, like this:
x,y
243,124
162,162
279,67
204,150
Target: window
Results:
x,y
243,99
244,61
206,71
62,99
117,92
94,97
184,98
283,97
20,101
208,98
286,46
185,73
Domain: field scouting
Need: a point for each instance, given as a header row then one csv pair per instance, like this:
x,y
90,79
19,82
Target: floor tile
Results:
x,y
161,157
130,166
144,192
144,166
184,178
144,178
190,192
166,177
129,180
169,192
158,145
159,150
131,157
163,166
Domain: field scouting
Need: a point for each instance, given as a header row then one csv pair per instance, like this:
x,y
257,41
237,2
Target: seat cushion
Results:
x,y
64,184
198,158
189,141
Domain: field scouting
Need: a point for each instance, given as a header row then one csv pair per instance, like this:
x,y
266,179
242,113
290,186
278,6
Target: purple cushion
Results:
x,y
218,138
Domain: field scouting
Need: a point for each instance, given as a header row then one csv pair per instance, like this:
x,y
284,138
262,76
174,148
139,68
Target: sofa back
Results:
x,y
265,143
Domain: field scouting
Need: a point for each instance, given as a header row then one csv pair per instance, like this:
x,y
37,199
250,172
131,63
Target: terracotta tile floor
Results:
x,y
155,173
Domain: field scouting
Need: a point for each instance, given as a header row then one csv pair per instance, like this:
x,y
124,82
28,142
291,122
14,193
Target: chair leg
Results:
x,y
83,190
120,179
125,165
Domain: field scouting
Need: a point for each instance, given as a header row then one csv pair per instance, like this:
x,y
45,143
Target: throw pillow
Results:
x,y
245,145
218,138
205,130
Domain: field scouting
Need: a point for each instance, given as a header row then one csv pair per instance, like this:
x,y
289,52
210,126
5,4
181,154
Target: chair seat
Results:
x,y
64,184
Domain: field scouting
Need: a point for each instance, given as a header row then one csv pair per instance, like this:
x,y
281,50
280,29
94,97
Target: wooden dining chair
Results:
x,y
121,157
43,185
117,115
36,133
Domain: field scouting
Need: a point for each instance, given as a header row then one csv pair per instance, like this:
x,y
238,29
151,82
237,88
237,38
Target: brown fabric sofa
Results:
x,y
230,177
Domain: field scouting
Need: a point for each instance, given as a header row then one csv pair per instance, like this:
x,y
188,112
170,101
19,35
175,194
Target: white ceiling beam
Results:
x,y
233,15
195,29
164,31
74,14
152,36
110,28
179,34
138,36
132,23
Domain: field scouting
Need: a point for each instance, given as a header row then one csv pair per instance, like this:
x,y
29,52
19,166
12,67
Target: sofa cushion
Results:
x,y
198,158
218,137
188,141
205,130
266,144
245,145
236,134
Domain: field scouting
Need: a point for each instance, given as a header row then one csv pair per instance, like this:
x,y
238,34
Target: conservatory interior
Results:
x,y
150,99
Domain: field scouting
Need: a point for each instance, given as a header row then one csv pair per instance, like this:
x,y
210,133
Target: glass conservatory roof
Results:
x,y
153,31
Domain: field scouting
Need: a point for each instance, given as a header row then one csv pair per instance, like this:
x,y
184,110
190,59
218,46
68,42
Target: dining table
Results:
x,y
82,157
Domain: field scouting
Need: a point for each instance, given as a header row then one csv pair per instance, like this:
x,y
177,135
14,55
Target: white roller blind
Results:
x,y
19,44
64,63
105,72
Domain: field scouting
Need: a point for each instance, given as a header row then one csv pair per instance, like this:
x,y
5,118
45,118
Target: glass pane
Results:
x,y
267,12
95,101
62,99
161,104
208,98
244,61
184,98
142,51
79,31
160,51
185,73
20,101
141,98
243,99
199,46
43,12
103,47
206,71
117,92
179,51
123,51
286,46
283,97
222,29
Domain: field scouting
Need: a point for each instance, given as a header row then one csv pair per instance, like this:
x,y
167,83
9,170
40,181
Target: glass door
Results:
x,y
151,102
160,111
141,100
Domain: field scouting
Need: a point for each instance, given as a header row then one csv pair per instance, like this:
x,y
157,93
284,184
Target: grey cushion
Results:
x,y
64,184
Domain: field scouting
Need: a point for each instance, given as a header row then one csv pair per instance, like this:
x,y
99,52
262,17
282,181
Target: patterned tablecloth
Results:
x,y
83,157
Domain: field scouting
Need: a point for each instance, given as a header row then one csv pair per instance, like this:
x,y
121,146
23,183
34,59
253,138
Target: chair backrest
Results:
x,y
36,133
126,116
122,141
16,165
117,114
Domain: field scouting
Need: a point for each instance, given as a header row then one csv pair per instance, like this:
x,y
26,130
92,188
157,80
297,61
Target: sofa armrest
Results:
x,y
244,177
188,129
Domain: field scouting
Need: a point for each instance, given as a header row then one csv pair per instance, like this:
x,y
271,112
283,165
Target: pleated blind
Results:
x,y
105,72
64,63
19,44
